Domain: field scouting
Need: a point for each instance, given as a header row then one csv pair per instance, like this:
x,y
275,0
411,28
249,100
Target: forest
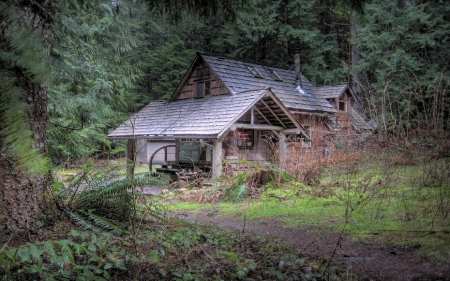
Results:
x,y
72,71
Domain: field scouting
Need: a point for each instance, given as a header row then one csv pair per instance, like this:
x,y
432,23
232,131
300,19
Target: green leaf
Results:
x,y
241,274
108,265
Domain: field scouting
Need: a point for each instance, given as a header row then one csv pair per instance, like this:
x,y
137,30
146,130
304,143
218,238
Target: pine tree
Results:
x,y
25,32
96,68
404,63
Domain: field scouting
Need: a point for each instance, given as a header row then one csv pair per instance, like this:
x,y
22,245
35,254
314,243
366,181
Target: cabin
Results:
x,y
344,102
225,110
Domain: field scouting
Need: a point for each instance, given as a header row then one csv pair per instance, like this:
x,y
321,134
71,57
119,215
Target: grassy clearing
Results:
x,y
67,175
406,204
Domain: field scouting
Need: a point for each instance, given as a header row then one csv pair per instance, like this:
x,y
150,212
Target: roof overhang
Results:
x,y
207,118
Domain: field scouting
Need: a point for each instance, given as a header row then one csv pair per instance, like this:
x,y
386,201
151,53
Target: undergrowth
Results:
x,y
173,251
401,196
100,198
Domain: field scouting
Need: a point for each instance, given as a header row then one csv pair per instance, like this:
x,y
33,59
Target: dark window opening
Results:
x,y
203,89
342,106
255,72
275,75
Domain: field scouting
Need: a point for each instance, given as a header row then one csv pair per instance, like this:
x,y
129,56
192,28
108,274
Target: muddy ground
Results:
x,y
375,260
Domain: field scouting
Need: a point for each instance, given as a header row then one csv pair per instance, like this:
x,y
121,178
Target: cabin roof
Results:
x,y
239,76
207,117
334,91
358,122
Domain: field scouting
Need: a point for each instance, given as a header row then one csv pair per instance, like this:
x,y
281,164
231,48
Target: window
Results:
x,y
275,75
203,89
305,141
245,138
342,106
255,71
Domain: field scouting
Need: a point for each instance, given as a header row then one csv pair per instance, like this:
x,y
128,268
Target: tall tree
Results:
x,y
25,29
95,70
25,34
404,63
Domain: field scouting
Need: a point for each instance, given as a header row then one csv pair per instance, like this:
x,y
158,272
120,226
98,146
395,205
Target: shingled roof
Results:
x,y
358,122
333,91
239,76
204,117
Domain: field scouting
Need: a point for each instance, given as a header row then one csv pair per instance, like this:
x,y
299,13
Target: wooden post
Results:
x,y
217,158
282,150
131,151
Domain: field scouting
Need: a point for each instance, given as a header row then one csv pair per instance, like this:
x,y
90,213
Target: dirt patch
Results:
x,y
374,260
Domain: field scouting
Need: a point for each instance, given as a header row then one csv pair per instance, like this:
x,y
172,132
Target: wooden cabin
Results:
x,y
343,100
225,109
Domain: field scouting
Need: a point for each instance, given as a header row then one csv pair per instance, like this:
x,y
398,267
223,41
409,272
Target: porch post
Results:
x,y
217,158
130,156
283,151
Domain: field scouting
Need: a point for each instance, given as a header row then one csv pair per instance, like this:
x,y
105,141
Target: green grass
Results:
x,y
408,205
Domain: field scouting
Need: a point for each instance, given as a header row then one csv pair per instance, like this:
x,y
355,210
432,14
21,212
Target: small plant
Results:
x,y
247,182
82,256
103,200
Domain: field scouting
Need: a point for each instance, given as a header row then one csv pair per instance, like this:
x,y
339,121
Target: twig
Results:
x,y
307,246
4,246
245,219
419,231
335,248
187,257
203,250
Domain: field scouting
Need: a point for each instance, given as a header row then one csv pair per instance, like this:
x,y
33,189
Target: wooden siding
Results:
x,y
202,72
344,117
318,128
259,154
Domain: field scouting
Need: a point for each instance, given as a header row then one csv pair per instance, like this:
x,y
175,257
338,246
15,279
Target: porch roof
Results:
x,y
208,117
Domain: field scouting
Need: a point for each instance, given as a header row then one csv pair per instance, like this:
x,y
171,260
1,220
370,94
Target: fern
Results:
x,y
239,188
283,175
104,201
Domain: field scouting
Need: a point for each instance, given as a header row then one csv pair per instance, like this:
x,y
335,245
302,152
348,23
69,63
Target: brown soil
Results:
x,y
374,260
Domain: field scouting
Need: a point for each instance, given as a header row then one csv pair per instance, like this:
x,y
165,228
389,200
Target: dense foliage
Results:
x,y
405,51
110,59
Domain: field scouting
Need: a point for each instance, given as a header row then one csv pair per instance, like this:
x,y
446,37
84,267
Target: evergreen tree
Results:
x,y
25,66
272,31
25,32
405,53
95,63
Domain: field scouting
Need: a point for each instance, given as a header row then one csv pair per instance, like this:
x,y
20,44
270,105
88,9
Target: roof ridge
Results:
x,y
243,61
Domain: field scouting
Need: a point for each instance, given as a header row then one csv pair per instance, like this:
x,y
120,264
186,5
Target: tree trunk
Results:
x,y
355,57
22,195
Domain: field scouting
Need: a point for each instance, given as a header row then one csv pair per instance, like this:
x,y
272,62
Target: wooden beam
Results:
x,y
276,134
282,151
262,115
274,114
256,127
217,158
294,131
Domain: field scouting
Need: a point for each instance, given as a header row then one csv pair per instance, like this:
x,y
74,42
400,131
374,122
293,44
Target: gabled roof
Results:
x,y
240,76
358,122
334,91
207,117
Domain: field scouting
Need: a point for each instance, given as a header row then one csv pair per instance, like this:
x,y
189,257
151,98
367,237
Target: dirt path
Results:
x,y
375,260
